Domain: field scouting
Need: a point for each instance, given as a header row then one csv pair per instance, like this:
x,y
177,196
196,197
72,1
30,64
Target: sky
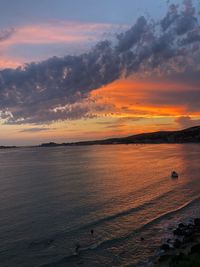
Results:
x,y
75,70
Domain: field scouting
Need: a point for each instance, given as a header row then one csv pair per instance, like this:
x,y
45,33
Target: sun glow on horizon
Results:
x,y
131,111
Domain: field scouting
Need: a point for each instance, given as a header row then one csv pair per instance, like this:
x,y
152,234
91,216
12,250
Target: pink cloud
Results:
x,y
6,62
53,32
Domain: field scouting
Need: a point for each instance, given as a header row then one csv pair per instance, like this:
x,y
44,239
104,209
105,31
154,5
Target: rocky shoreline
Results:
x,y
183,250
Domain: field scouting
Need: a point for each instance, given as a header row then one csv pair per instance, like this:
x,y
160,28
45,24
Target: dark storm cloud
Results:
x,y
170,18
131,37
185,20
54,89
192,37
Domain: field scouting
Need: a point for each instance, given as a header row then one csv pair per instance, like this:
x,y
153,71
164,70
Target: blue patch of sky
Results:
x,y
106,11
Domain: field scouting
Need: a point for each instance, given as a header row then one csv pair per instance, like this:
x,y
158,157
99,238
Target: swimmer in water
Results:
x,y
92,232
77,249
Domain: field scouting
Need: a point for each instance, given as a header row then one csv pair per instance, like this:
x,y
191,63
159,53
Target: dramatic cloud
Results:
x,y
39,41
188,100
55,89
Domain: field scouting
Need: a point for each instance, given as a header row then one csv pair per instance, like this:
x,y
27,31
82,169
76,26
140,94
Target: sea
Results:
x,y
94,206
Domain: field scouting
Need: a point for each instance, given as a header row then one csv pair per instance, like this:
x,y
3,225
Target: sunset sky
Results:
x,y
75,70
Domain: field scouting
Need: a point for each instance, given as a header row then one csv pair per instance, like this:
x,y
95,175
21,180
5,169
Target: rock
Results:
x,y
197,221
165,247
177,243
190,226
195,249
188,239
178,258
178,232
163,258
188,232
181,225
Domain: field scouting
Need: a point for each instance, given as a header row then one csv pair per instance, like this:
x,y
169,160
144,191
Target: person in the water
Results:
x,y
92,232
77,249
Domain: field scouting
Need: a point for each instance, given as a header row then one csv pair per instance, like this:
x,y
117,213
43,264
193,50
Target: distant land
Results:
x,y
7,147
189,135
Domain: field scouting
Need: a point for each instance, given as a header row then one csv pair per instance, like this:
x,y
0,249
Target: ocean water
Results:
x,y
51,198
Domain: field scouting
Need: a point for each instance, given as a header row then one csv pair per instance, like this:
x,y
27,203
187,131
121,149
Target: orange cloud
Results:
x,y
138,98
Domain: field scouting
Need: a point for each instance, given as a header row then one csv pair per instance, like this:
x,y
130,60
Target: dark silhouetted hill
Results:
x,y
189,135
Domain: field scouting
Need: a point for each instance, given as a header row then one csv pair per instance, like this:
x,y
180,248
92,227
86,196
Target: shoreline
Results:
x,y
2,148
183,249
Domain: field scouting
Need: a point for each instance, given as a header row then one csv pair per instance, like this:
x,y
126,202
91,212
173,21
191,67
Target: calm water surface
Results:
x,y
50,199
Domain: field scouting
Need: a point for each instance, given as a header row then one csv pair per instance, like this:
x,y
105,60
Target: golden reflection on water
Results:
x,y
138,171
115,189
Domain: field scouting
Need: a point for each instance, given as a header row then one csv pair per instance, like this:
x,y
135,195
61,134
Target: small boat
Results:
x,y
174,174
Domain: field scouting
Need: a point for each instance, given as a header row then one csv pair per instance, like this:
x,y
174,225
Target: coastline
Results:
x,y
186,136
160,257
183,249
